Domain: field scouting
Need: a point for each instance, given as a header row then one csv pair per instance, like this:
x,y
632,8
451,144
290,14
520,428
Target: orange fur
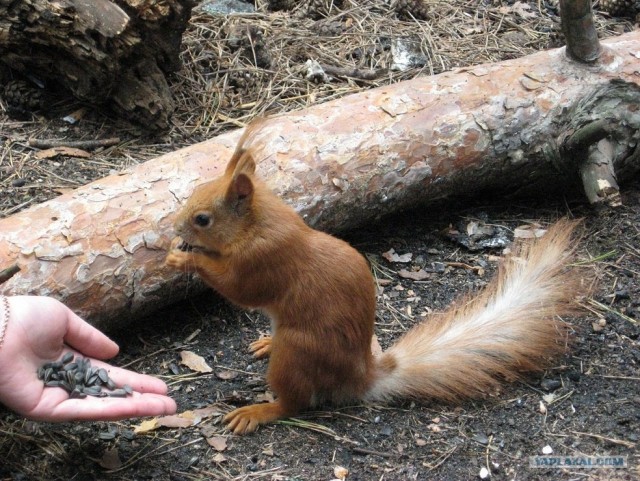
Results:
x,y
319,293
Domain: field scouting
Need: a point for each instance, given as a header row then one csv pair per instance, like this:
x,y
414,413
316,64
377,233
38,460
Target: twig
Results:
x,y
77,144
359,450
318,428
613,311
364,74
8,273
621,442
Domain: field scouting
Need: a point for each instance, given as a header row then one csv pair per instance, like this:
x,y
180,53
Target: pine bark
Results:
x,y
522,125
115,51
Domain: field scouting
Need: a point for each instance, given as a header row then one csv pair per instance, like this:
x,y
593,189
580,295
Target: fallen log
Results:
x,y
115,51
523,124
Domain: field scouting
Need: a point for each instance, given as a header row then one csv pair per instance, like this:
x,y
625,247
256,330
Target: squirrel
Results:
x,y
320,295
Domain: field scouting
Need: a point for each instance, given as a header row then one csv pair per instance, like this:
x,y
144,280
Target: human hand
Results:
x,y
41,329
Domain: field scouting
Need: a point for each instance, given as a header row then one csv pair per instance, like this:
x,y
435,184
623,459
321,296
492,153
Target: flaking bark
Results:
x,y
116,51
499,127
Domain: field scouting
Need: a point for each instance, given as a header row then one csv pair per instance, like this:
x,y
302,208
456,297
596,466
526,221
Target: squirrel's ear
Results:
x,y
240,191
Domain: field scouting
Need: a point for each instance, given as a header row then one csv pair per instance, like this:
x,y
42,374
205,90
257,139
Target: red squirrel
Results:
x,y
320,295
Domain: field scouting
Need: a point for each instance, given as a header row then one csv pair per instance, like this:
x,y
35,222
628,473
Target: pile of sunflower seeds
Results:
x,y
79,378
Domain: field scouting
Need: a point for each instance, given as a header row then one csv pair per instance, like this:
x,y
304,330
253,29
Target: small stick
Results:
x,y
358,450
621,442
364,74
8,273
76,144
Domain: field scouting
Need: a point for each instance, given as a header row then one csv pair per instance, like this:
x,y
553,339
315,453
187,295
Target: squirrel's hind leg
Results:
x,y
261,348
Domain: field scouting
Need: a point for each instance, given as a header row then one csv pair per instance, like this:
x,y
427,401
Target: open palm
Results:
x,y
41,329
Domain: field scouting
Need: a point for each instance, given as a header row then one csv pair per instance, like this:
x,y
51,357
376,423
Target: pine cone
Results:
x,y
412,8
620,8
22,97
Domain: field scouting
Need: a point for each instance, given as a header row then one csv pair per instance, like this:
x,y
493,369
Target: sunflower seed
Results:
x,y
103,375
118,393
72,366
68,357
79,378
93,390
77,394
65,385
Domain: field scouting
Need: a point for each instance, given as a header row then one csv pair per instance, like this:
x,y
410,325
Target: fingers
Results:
x,y
139,382
87,339
107,409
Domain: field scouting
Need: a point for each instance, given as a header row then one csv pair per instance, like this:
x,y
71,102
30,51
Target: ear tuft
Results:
x,y
244,144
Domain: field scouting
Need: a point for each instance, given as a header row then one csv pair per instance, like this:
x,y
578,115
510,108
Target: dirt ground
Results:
x,y
587,404
591,396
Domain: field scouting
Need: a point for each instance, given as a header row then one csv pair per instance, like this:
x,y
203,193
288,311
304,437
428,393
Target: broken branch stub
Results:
x,y
578,26
603,130
340,164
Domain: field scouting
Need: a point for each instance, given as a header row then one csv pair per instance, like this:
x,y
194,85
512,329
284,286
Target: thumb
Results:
x,y
88,340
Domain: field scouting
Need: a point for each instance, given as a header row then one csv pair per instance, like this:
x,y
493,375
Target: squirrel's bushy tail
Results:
x,y
512,326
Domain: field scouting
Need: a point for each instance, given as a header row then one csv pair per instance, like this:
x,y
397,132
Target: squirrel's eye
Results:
x,y
202,220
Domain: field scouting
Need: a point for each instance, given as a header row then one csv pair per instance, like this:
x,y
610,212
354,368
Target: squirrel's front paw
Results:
x,y
180,260
246,419
176,243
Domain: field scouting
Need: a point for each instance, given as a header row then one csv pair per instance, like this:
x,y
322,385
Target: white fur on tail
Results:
x,y
512,326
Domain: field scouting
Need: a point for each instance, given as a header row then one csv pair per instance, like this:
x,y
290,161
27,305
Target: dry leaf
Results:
x,y
110,459
219,458
421,442
208,411
542,408
392,256
184,419
414,275
146,426
518,8
226,375
269,452
219,443
528,232
194,362
56,151
265,397
75,117
340,472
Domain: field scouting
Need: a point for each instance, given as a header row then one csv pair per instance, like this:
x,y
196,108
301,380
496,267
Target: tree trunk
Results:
x,y
518,125
100,50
